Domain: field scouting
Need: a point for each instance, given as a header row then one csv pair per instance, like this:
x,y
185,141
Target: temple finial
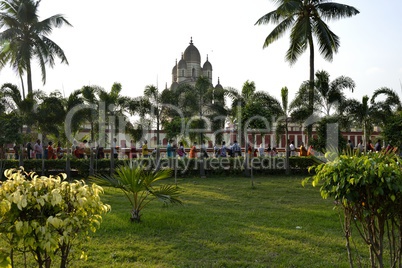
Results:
x,y
191,40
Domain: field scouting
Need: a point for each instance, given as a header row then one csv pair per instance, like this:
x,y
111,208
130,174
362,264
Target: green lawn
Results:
x,y
223,222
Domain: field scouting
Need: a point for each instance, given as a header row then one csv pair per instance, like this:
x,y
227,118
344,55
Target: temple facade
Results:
x,y
188,68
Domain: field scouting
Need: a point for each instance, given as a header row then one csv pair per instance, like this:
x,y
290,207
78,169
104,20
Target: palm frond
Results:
x,y
328,41
168,194
333,11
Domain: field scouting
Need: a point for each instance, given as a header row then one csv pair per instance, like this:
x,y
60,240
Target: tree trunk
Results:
x,y
65,250
29,79
311,88
23,87
287,151
135,215
158,152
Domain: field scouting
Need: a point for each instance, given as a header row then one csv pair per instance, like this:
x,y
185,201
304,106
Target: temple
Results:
x,y
189,68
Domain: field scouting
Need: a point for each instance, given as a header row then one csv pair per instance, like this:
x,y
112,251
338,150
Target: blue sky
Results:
x,y
137,43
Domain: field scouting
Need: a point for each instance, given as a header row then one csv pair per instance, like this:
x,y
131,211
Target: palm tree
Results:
x,y
137,185
285,113
306,18
251,109
75,99
13,101
26,37
328,95
153,97
392,100
362,114
103,106
50,115
90,100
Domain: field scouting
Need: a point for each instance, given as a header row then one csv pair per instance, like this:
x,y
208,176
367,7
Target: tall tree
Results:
x,y
91,114
251,109
306,19
115,107
328,95
50,115
26,37
153,96
187,103
14,102
362,113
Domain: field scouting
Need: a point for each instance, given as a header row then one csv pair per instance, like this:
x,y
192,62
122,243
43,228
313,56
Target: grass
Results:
x,y
224,222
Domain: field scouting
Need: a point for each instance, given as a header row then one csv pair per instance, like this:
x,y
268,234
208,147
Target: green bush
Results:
x,y
45,217
186,166
368,190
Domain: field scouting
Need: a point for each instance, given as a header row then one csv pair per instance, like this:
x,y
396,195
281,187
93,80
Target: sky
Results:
x,y
137,43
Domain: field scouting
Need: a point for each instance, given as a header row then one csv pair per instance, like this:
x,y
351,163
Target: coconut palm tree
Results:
x,y
306,19
26,37
137,185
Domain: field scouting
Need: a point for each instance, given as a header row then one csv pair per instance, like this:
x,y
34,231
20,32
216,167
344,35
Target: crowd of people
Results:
x,y
39,151
84,149
234,150
50,151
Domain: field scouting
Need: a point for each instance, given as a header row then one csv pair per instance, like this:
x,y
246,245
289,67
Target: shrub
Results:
x,y
368,190
47,216
138,186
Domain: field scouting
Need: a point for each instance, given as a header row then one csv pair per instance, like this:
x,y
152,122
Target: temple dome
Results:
x,y
207,66
191,54
182,64
174,70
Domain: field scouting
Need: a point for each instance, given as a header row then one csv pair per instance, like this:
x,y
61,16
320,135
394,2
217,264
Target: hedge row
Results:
x,y
184,166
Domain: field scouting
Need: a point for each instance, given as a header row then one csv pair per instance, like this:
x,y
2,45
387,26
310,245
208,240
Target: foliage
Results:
x,y
252,109
10,128
50,115
368,190
327,137
47,216
306,19
137,185
25,38
80,168
392,131
224,223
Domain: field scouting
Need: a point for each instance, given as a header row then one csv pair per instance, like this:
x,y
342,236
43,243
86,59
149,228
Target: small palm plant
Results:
x,y
137,185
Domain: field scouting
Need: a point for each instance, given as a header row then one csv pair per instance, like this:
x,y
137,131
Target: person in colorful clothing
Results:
x,y
145,152
193,151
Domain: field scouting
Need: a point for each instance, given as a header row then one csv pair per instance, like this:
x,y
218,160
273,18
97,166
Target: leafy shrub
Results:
x,y
368,190
185,166
47,216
